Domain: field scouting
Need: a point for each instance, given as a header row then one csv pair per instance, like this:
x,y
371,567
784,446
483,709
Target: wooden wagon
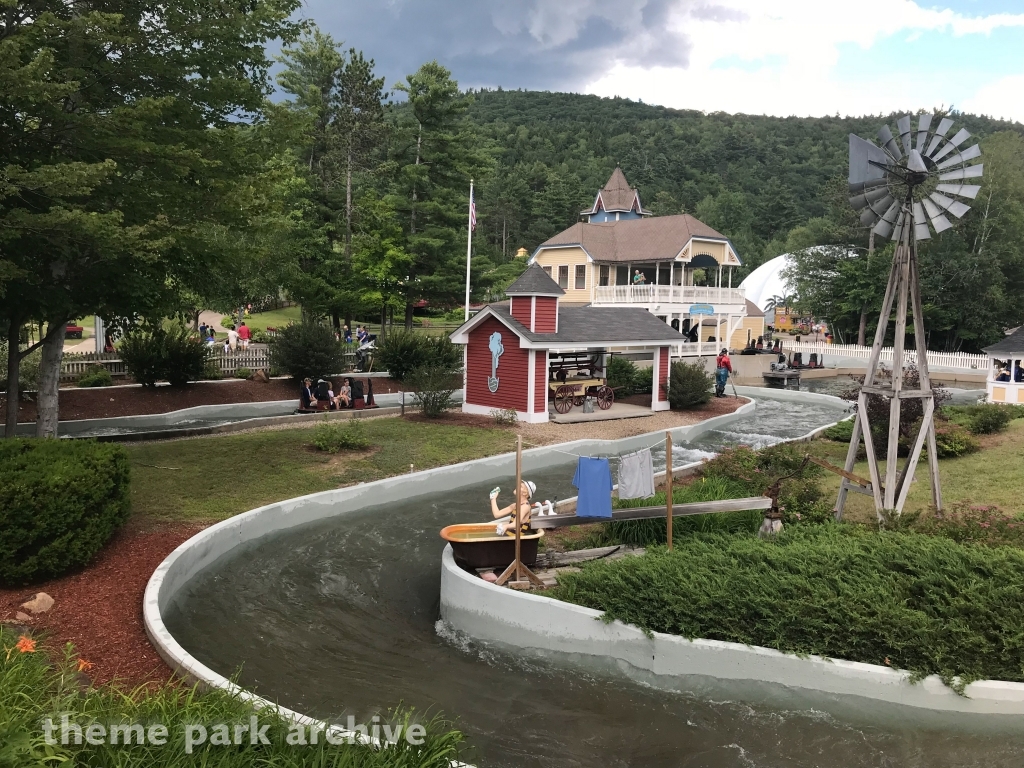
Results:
x,y
573,391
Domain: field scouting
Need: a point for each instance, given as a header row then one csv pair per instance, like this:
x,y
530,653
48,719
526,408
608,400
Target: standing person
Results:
x,y
348,335
361,334
202,331
244,334
232,341
723,367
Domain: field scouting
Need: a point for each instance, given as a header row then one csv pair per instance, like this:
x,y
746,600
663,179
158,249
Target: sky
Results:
x,y
778,57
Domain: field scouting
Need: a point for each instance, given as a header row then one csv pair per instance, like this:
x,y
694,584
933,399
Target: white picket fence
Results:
x,y
255,358
957,360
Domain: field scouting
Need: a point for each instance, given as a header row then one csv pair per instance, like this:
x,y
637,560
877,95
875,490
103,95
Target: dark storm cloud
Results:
x,y
539,44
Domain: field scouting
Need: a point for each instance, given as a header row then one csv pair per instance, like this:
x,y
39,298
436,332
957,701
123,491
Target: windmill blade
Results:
x,y
969,191
924,122
944,125
920,223
868,218
885,225
881,205
970,172
865,199
897,233
862,172
970,153
886,140
866,186
961,136
937,218
915,162
955,207
903,125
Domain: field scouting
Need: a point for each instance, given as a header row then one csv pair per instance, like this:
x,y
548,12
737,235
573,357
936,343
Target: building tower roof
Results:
x,y
534,282
617,197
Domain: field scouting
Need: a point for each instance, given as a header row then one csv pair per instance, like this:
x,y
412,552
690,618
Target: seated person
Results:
x,y
1018,375
344,399
760,342
1004,375
307,400
526,491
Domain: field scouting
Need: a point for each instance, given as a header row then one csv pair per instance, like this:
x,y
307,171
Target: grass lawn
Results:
x,y
223,475
993,475
275,318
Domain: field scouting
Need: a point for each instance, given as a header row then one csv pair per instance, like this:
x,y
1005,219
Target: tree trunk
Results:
x,y
336,321
408,316
13,371
863,327
348,209
47,408
195,321
383,319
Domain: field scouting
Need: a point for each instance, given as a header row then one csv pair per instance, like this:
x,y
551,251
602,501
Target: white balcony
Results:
x,y
684,295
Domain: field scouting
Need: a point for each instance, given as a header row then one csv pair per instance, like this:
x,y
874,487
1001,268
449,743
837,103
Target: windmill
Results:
x,y
904,187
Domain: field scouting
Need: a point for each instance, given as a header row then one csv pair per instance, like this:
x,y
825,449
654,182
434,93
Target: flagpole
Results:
x,y
469,243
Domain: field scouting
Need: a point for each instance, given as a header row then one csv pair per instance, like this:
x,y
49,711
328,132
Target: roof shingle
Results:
x,y
534,282
1011,345
656,239
596,325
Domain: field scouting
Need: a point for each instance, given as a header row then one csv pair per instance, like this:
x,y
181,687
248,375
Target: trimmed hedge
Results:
x,y
906,600
60,502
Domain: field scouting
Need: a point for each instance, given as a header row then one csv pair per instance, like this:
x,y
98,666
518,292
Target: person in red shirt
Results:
x,y
723,367
244,334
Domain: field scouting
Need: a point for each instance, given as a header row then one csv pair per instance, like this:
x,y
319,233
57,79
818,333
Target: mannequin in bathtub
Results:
x,y
526,491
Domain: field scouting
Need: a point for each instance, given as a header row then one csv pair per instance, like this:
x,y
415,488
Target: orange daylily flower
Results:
x,y
84,666
26,644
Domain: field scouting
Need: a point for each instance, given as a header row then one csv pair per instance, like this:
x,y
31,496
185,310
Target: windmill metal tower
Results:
x,y
902,189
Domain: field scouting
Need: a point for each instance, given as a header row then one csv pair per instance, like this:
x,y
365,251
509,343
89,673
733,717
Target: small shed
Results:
x,y
510,346
1005,382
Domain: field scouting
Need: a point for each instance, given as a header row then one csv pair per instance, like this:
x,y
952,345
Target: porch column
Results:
x,y
659,397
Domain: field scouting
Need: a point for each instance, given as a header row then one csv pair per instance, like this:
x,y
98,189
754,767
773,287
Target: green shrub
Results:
x,y
60,502
689,386
227,322
982,418
175,354
841,432
141,350
184,355
334,436
243,373
910,601
969,524
401,352
952,440
47,684
96,376
307,350
621,375
434,388
643,380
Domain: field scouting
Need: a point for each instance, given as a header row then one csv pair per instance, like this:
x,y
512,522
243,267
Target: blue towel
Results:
x,y
593,479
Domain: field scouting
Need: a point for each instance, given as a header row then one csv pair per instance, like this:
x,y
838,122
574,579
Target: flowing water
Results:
x,y
340,618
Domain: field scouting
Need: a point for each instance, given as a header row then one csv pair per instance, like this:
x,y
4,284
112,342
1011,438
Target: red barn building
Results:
x,y
509,345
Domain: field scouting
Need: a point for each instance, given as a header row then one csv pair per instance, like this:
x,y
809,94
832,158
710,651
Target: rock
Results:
x,y
260,376
41,603
22,616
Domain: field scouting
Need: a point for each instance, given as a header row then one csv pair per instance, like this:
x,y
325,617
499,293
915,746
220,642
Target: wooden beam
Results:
x,y
837,470
645,513
668,488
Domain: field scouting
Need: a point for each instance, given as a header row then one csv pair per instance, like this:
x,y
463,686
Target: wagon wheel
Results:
x,y
578,399
563,399
605,397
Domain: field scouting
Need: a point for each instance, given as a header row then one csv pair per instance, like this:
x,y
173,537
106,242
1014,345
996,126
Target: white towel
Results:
x,y
636,475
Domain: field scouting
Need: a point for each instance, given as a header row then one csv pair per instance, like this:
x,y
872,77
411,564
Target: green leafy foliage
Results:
x,y
621,375
981,418
689,386
175,354
973,524
952,440
31,686
60,502
307,350
434,387
401,352
243,373
334,436
921,603
841,432
96,376
504,417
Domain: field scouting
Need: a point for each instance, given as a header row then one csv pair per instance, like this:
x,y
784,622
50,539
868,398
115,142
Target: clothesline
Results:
x,y
591,456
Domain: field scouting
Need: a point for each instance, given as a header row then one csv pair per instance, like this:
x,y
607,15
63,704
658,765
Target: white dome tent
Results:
x,y
767,281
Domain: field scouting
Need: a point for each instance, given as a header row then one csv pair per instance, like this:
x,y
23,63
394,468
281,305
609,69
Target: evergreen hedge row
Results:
x,y
60,502
910,601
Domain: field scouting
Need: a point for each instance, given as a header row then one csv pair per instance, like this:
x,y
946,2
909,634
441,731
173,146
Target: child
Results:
x,y
345,394
526,491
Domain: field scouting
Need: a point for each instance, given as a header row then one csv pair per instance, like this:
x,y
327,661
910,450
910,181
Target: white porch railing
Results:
x,y
956,360
666,294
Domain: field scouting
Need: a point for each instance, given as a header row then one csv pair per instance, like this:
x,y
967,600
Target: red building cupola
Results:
x,y
533,300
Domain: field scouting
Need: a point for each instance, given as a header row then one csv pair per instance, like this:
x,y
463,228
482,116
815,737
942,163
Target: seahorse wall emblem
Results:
x,y
497,350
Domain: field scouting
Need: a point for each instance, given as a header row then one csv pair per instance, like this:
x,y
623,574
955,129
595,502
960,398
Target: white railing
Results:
x,y
697,349
666,294
957,360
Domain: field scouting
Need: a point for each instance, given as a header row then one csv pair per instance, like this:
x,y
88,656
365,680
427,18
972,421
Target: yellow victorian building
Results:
x,y
676,267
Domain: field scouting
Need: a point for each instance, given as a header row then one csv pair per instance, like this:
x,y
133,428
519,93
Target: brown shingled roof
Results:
x,y
655,239
616,195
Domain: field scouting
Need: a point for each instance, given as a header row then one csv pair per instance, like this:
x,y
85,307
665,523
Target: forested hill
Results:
x,y
752,176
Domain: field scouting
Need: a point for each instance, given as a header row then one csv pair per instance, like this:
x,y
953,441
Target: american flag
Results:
x,y
472,210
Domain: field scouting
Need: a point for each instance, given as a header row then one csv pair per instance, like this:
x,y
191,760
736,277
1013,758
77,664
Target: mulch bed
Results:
x,y
99,609
106,402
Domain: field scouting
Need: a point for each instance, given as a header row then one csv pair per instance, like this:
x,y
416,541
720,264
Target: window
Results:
x,y
563,276
581,277
604,274
622,274
547,270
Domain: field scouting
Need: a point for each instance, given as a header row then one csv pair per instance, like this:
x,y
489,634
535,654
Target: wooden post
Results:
x,y
668,487
523,575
